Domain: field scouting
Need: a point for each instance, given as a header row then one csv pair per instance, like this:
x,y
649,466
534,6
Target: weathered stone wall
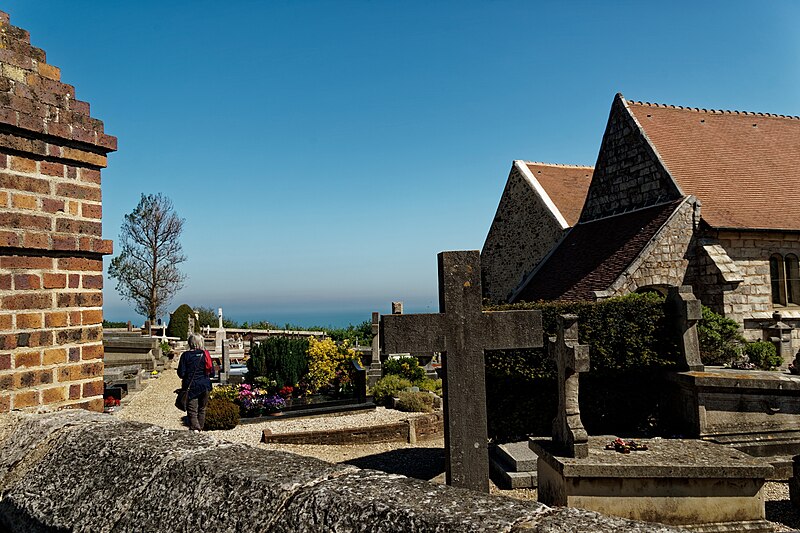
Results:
x,y
51,245
523,231
81,471
628,174
665,260
750,302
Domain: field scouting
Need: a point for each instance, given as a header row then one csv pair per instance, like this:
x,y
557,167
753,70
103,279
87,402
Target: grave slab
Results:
x,y
754,411
513,466
676,481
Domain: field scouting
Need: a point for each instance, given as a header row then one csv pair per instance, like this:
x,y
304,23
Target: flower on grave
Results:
x,y
110,401
286,392
273,403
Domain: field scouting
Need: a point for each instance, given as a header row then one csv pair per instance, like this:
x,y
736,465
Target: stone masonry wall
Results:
x,y
750,302
523,231
80,471
628,174
51,245
665,260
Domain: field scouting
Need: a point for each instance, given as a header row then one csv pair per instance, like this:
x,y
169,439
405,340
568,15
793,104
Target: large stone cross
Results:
x,y
571,359
461,331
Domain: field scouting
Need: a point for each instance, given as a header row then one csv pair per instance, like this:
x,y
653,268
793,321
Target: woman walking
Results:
x,y
195,371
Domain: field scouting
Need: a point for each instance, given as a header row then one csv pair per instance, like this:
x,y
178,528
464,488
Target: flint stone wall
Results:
x,y
82,471
523,231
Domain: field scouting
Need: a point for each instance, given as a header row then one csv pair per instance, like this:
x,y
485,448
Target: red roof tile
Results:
x,y
594,254
744,167
566,185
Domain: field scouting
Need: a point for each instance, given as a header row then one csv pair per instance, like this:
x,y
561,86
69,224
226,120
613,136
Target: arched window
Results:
x,y
784,273
792,273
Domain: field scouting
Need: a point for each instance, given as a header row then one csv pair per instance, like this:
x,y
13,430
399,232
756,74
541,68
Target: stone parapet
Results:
x,y
76,470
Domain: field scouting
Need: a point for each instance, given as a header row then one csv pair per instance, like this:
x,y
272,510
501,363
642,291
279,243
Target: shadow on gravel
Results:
x,y
419,463
783,512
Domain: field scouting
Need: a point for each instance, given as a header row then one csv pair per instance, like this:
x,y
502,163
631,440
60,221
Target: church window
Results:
x,y
784,273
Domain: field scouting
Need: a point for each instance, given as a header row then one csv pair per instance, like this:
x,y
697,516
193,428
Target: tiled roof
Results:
x,y
594,254
744,167
566,185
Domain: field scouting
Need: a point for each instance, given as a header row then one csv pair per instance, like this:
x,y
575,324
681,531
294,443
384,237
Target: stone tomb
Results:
x,y
754,411
461,332
701,485
123,349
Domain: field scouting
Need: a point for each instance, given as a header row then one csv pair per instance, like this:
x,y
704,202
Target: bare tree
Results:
x,y
146,267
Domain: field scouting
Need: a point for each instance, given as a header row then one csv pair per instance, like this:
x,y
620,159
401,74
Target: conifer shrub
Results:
x,y
179,322
387,387
406,366
279,359
763,354
415,402
221,413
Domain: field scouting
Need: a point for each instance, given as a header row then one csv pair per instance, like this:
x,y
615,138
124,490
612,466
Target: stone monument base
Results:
x,y
754,411
689,483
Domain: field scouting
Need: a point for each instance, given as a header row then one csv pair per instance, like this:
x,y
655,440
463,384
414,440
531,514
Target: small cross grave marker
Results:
x,y
462,331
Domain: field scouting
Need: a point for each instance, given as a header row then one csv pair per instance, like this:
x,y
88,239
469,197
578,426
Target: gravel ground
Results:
x,y
424,460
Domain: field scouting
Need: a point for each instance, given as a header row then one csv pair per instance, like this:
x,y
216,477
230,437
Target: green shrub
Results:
x,y
406,366
279,359
763,354
221,414
720,340
415,402
430,385
166,349
388,387
179,322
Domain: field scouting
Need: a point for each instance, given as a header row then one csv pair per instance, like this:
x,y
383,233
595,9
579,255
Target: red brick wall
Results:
x,y
51,245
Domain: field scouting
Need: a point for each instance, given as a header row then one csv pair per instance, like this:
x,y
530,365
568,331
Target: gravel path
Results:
x,y
425,460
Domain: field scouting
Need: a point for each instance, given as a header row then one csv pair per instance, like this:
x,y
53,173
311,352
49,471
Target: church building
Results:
x,y
678,196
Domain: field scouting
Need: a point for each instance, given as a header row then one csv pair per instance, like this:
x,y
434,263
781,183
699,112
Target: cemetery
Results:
x,y
588,374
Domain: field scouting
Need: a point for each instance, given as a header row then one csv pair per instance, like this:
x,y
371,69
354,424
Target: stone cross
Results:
x,y
571,359
462,331
190,328
684,311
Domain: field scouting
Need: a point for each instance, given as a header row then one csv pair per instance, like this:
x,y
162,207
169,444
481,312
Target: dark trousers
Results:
x,y
196,409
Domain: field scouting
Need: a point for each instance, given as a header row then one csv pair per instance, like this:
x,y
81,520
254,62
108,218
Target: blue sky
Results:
x,y
322,153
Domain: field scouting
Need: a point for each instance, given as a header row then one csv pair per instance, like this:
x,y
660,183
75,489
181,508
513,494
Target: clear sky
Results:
x,y
323,152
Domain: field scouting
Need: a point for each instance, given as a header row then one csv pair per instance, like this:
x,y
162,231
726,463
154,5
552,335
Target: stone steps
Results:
x,y
513,466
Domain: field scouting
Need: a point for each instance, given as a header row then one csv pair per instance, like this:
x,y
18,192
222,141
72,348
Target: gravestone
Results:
x,y
219,338
462,331
684,311
780,335
571,359
190,327
397,308
679,482
375,370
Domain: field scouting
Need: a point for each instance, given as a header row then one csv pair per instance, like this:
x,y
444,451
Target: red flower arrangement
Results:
x,y
286,392
110,401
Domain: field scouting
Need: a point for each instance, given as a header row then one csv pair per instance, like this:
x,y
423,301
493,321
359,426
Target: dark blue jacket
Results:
x,y
192,371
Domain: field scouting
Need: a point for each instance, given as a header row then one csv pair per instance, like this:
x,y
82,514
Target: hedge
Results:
x,y
629,348
282,359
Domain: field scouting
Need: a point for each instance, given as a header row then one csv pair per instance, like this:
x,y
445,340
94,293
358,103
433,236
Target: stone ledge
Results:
x,y
665,458
425,427
75,470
